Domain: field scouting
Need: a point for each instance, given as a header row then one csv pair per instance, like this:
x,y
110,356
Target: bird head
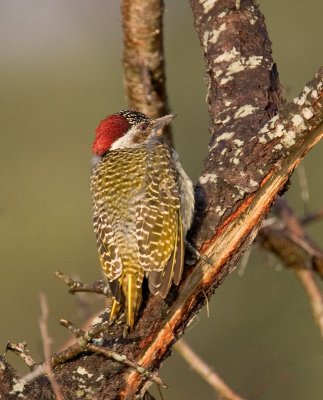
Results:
x,y
126,129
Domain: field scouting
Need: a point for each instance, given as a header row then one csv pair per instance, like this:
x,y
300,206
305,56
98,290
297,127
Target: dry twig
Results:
x,y
46,346
84,339
22,352
314,295
296,250
205,371
312,217
98,287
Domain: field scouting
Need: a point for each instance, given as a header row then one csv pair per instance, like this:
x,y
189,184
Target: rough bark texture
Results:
x,y
243,94
143,57
250,159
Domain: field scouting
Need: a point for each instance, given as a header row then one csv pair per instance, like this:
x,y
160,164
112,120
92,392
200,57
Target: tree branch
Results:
x,y
46,347
143,57
243,94
307,280
288,240
252,153
312,217
98,287
206,372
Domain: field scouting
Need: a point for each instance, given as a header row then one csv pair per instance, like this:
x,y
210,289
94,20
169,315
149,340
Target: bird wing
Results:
x,y
109,256
158,223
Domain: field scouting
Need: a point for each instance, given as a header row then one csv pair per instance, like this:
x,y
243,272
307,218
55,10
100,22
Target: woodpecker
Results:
x,y
143,204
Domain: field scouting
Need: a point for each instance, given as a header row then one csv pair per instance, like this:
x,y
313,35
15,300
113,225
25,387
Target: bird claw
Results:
x,y
197,255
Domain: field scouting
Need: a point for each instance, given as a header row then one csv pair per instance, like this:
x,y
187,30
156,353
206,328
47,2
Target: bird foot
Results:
x,y
196,255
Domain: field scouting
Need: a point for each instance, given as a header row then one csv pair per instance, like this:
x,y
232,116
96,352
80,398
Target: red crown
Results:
x,y
108,131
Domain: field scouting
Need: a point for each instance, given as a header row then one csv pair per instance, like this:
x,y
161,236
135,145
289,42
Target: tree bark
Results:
x,y
143,58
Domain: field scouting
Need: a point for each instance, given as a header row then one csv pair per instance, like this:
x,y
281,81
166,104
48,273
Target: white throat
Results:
x,y
126,141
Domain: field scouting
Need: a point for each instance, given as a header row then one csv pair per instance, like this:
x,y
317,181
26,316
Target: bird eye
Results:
x,y
143,126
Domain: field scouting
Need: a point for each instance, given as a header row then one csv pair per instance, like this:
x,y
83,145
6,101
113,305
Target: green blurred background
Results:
x,y
60,73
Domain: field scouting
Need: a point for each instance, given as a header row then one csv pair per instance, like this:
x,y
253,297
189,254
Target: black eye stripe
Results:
x,y
134,117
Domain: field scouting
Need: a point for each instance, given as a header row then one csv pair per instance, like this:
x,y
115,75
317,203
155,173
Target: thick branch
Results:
x,y
243,94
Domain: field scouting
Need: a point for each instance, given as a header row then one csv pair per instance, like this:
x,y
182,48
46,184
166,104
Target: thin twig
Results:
x,y
35,373
46,346
296,250
289,241
124,360
71,350
91,333
205,371
21,350
305,193
312,217
98,287
85,343
316,301
148,396
244,261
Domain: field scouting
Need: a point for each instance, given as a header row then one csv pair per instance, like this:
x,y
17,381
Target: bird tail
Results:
x,y
133,297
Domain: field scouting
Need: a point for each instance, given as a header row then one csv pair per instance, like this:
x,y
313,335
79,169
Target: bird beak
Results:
x,y
157,125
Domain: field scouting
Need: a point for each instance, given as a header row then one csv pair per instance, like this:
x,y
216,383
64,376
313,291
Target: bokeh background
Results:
x,y
60,73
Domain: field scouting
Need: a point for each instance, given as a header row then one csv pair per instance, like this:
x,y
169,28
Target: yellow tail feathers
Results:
x,y
131,297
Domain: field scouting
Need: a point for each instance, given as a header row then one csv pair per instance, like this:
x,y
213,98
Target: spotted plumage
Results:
x,y
138,210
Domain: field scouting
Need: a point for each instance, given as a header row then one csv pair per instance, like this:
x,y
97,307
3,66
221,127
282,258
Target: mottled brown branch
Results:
x,y
85,342
95,330
243,94
143,57
98,287
205,371
9,377
98,325
22,352
84,339
153,377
